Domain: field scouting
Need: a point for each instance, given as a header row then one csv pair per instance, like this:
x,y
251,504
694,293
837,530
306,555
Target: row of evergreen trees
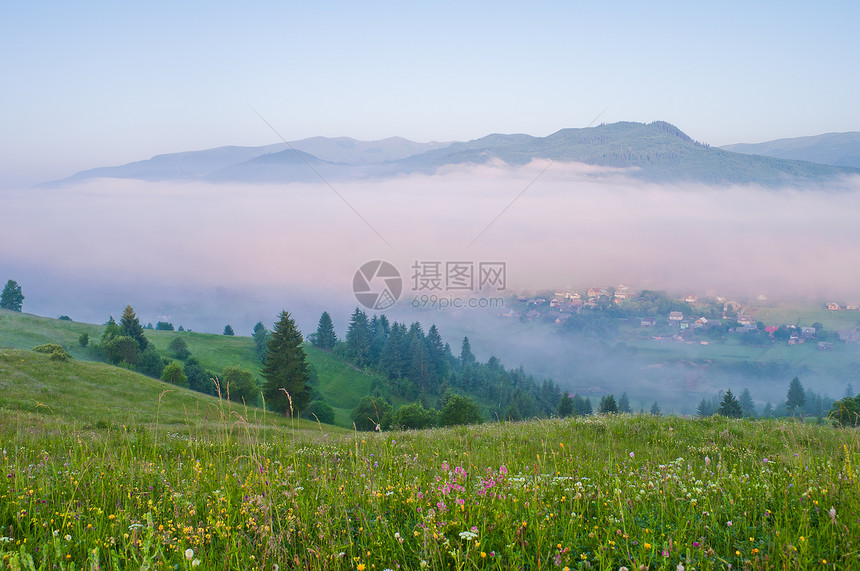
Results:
x,y
799,401
422,368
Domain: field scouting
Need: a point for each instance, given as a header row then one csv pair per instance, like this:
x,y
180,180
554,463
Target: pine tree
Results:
x,y
325,337
393,357
768,410
623,403
730,406
261,340
704,409
849,391
228,330
358,339
285,368
655,409
608,405
436,356
12,298
466,355
129,325
565,406
796,396
586,408
419,364
747,404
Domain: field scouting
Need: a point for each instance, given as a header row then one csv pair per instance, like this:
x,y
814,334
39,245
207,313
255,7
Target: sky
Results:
x,y
90,84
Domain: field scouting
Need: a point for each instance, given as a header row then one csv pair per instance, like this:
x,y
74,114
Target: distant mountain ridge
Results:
x,y
838,149
656,152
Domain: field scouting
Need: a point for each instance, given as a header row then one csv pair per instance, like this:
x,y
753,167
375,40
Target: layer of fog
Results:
x,y
206,255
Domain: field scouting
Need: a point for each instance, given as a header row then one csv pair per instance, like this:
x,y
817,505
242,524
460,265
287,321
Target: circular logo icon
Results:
x,y
377,285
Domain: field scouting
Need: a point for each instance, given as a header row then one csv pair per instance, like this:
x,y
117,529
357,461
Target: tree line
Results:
x,y
422,368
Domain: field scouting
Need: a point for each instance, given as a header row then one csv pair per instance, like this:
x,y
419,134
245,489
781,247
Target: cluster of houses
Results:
x,y
562,304
833,306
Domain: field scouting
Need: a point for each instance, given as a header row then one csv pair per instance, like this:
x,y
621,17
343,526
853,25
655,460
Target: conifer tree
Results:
x,y
565,406
358,339
130,326
12,298
325,337
466,355
796,396
730,406
623,403
747,404
285,369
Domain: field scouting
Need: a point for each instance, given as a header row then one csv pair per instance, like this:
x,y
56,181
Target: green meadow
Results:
x,y
341,385
107,469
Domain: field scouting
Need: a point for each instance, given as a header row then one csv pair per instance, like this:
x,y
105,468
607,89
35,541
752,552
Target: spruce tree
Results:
x,y
623,403
285,369
12,298
228,330
393,358
436,356
565,406
730,406
608,405
358,339
261,340
130,326
325,337
655,409
419,364
747,404
466,355
796,396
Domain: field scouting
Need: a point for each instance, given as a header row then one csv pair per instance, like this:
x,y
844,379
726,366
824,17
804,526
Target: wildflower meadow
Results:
x,y
605,492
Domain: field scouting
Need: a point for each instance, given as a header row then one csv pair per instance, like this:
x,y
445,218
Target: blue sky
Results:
x,y
91,84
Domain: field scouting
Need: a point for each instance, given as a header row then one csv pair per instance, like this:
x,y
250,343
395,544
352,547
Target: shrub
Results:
x,y
239,384
174,375
414,416
372,412
56,352
459,409
320,410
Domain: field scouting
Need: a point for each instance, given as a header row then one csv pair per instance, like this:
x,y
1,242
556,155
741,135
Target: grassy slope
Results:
x,y
91,394
341,385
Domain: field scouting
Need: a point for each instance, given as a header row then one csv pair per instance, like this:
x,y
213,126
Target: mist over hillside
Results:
x,y
203,255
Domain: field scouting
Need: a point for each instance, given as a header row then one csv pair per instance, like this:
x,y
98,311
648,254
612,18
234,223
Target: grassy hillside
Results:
x,y
589,493
38,391
340,384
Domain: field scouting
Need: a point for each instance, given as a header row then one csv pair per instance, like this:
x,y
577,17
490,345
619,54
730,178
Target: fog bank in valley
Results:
x,y
206,255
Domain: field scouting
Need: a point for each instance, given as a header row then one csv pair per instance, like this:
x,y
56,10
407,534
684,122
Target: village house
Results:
x,y
675,316
833,306
825,346
647,322
807,332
